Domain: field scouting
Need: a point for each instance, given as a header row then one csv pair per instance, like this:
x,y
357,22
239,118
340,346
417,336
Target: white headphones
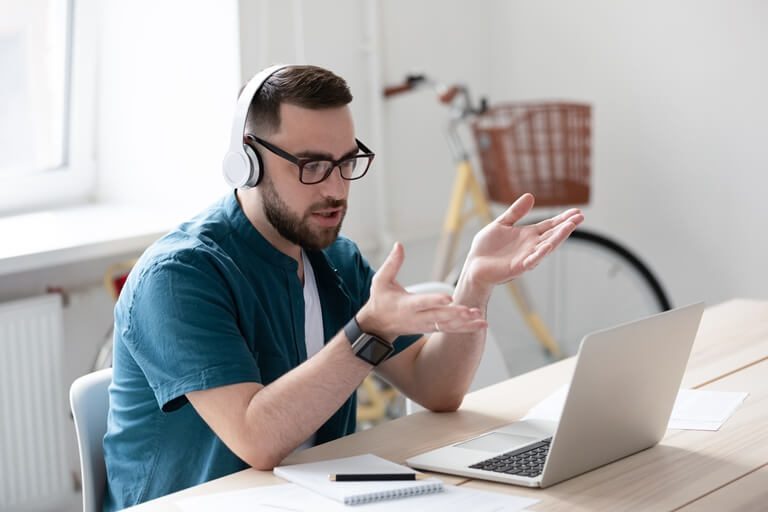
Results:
x,y
242,165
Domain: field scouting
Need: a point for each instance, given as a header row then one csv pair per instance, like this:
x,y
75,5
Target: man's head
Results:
x,y
302,111
309,87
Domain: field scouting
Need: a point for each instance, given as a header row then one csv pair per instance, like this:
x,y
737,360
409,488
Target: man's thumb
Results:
x,y
392,264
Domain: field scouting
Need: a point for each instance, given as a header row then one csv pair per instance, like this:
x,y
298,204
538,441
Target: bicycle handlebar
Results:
x,y
410,83
445,94
449,94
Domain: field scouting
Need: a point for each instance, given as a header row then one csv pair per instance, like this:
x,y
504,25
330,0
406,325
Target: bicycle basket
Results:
x,y
542,148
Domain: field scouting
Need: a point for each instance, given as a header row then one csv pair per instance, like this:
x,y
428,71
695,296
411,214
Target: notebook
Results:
x,y
315,476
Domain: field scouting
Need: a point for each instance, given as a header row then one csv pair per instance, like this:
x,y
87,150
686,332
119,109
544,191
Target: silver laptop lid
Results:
x,y
622,392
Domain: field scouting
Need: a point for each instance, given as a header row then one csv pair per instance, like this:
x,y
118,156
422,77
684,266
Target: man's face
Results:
x,y
309,216
301,229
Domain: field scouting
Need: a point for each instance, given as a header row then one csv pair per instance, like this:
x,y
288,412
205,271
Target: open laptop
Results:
x,y
619,402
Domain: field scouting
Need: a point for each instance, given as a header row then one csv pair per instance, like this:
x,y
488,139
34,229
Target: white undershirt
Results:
x,y
313,323
313,315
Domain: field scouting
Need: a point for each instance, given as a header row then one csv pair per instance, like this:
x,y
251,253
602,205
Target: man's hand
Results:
x,y
502,251
391,311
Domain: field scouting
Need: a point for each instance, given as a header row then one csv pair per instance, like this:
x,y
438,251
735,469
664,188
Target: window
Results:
x,y
33,56
40,164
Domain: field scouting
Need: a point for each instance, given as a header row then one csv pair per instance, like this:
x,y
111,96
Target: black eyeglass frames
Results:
x,y
315,170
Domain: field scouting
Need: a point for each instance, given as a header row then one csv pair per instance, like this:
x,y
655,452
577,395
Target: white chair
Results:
x,y
89,400
492,368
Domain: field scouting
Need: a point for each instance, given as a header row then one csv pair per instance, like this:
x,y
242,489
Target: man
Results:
x,y
243,334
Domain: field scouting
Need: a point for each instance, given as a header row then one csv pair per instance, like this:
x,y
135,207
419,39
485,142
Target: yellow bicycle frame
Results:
x,y
466,184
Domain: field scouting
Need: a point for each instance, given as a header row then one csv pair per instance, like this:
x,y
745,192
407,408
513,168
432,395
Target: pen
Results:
x,y
372,477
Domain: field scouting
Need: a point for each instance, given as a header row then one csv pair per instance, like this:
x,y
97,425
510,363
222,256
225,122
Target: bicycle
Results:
x,y
551,160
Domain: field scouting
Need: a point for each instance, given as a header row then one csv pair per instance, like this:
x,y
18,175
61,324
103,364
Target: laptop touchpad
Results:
x,y
497,442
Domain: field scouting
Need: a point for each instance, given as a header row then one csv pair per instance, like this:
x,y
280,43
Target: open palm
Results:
x,y
503,250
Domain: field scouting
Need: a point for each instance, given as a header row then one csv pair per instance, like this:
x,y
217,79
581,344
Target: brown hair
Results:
x,y
304,86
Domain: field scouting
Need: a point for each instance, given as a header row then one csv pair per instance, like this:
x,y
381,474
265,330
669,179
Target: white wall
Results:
x,y
448,41
371,44
333,34
679,107
168,82
680,159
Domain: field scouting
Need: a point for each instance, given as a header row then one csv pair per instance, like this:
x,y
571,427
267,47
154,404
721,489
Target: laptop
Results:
x,y
619,402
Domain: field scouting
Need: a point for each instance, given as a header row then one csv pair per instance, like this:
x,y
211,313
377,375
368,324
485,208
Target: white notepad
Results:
x,y
315,476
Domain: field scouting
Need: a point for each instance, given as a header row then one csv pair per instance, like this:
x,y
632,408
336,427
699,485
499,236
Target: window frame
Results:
x,y
74,182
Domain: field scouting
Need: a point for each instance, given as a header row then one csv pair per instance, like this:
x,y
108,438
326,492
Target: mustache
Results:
x,y
329,202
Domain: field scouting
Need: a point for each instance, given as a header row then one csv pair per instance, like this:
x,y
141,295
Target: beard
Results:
x,y
295,229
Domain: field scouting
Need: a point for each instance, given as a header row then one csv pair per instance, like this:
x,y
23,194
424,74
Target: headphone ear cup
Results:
x,y
257,167
237,169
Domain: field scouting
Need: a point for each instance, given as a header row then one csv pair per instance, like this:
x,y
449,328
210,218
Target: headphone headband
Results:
x,y
241,165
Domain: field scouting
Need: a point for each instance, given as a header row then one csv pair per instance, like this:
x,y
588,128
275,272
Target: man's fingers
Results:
x,y
454,319
549,244
574,219
425,301
391,266
451,315
536,256
452,326
561,233
517,211
547,224
558,234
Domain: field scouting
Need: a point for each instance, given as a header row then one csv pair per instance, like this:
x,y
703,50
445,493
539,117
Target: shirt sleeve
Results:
x,y
182,329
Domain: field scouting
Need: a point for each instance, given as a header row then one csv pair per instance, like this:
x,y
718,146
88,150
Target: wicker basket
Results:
x,y
541,148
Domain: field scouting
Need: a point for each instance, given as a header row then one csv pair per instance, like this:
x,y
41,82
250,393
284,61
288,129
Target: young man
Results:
x,y
243,334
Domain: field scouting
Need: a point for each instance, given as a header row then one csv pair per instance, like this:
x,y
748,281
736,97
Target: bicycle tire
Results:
x,y
627,255
644,270
591,282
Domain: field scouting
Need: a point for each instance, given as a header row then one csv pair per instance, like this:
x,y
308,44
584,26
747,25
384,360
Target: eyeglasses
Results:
x,y
315,170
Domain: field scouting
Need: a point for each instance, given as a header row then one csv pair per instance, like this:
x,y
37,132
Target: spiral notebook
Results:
x,y
315,476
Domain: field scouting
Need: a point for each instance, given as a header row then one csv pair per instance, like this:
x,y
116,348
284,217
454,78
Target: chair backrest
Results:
x,y
89,400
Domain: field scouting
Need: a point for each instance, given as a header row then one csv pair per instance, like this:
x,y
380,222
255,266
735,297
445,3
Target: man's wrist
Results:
x,y
472,292
365,345
368,324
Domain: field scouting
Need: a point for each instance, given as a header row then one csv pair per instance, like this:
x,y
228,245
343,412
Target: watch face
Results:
x,y
373,350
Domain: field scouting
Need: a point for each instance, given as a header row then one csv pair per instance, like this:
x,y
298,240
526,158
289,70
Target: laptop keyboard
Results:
x,y
527,461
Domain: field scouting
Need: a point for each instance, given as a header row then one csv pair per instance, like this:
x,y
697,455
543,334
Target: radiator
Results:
x,y
33,402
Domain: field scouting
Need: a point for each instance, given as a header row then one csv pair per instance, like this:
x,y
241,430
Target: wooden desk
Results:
x,y
688,471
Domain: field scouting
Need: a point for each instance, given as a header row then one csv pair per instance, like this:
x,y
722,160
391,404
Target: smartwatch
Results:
x,y
366,346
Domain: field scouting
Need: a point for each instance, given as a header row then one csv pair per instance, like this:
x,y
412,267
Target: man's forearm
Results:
x,y
446,364
285,413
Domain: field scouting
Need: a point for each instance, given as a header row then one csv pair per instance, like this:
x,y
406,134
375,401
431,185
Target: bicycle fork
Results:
x,y
455,218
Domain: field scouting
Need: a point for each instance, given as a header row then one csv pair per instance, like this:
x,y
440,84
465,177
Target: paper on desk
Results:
x,y
702,409
294,498
695,409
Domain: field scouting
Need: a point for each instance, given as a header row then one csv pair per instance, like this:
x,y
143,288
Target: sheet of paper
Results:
x,y
701,409
551,408
294,498
695,409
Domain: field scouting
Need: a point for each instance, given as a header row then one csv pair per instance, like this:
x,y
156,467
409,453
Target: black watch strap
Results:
x,y
366,346
353,330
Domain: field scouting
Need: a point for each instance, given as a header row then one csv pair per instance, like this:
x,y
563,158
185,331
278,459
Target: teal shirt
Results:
x,y
211,304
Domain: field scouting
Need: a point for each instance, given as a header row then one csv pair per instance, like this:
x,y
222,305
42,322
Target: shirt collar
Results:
x,y
253,238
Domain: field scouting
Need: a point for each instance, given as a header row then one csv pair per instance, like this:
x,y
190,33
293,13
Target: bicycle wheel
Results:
x,y
591,282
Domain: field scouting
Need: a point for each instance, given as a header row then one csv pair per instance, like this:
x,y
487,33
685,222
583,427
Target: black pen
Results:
x,y
373,477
